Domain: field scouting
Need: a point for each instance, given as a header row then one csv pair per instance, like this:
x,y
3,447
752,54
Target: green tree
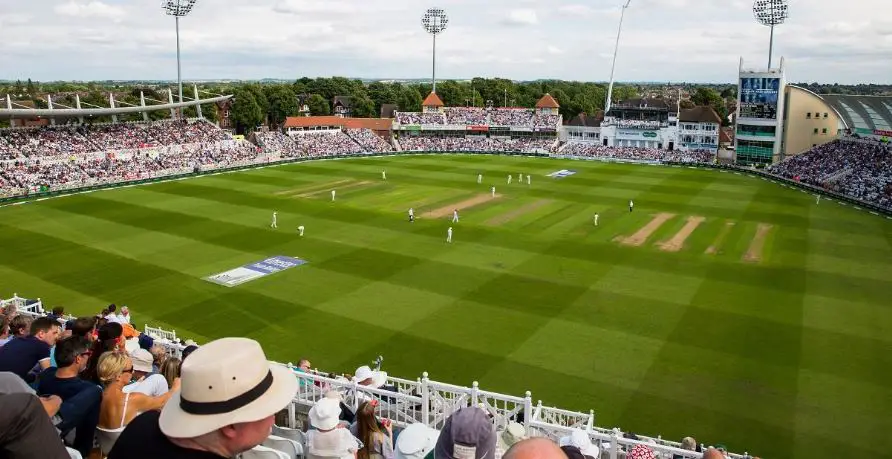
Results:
x,y
245,114
318,105
364,107
282,104
410,99
710,98
31,88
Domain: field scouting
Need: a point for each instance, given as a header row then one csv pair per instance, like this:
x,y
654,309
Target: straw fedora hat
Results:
x,y
227,381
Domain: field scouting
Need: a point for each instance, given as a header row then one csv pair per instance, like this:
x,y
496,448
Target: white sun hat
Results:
x,y
364,372
227,381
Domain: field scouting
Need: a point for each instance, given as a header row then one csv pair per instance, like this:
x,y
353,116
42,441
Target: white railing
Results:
x,y
405,402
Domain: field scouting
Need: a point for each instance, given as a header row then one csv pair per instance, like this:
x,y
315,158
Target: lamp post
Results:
x,y
178,9
434,22
770,13
615,50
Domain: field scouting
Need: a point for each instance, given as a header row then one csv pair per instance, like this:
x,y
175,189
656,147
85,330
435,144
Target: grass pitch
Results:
x,y
767,327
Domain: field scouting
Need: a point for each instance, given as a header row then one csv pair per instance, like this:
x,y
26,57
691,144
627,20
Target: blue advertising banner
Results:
x,y
255,270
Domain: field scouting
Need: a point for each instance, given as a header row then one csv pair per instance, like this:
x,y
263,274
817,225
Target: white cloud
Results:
x,y
554,50
522,17
92,9
310,6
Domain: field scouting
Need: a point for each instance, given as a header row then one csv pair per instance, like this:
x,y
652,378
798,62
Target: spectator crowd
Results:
x,y
475,116
636,154
476,144
861,169
53,141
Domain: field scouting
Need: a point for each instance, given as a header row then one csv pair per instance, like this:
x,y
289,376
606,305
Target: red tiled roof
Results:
x,y
376,124
547,102
432,100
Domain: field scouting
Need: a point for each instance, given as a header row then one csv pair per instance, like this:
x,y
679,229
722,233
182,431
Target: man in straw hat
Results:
x,y
226,405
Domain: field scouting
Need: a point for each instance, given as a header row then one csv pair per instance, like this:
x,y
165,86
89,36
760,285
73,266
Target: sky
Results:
x,y
663,40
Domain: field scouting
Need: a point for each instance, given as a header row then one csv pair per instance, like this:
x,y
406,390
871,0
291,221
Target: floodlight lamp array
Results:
x,y
178,7
434,21
770,12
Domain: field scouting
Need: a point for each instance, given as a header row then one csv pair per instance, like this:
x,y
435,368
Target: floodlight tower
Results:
x,y
770,13
615,50
178,9
434,22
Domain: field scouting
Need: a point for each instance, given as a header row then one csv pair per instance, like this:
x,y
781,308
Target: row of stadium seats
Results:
x,y
402,403
477,143
861,169
589,150
54,141
471,116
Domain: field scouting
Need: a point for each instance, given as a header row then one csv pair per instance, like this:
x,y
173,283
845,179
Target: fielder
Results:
x,y
332,195
455,216
596,219
273,224
479,179
493,189
449,235
631,205
411,215
528,179
383,174
509,178
819,200
520,178
300,229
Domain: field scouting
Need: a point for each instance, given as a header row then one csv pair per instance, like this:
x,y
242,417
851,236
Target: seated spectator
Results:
x,y
416,441
110,337
365,376
467,433
111,316
580,440
687,443
375,434
512,434
230,394
124,316
4,330
533,448
58,313
146,381
80,399
170,370
26,431
20,356
327,439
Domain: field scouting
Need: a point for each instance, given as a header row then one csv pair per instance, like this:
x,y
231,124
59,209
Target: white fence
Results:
x,y
430,402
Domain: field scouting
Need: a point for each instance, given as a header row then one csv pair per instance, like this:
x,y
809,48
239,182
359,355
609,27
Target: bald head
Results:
x,y
535,448
712,453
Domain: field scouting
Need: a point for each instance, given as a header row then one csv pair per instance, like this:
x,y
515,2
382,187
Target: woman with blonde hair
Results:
x,y
115,370
375,434
170,369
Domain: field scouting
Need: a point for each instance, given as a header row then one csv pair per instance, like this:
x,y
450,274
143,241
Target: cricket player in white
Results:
x,y
819,199
631,205
509,178
411,215
273,224
528,179
332,195
479,178
493,189
520,178
596,219
449,235
455,216
383,174
300,229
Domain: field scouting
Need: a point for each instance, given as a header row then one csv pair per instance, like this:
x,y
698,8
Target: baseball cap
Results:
x,y
467,434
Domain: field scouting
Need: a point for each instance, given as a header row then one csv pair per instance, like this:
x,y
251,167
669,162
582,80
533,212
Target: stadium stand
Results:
x,y
405,402
858,168
589,150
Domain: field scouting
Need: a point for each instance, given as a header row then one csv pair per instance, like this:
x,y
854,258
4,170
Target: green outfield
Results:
x,y
724,307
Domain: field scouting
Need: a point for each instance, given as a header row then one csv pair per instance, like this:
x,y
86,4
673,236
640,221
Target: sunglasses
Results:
x,y
129,370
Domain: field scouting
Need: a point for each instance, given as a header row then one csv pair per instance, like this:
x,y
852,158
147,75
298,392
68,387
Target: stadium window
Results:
x,y
808,116
824,131
816,130
825,115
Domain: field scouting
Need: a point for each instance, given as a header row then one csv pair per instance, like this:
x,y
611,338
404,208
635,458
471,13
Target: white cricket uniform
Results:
x,y
411,215
301,229
631,205
332,195
528,179
509,178
449,235
596,219
273,224
520,178
454,216
479,178
383,175
493,191
819,200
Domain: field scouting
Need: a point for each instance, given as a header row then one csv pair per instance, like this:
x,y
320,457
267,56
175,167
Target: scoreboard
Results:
x,y
759,97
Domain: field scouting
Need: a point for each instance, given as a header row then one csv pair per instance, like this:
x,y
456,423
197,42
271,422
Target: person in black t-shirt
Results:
x,y
21,355
226,405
